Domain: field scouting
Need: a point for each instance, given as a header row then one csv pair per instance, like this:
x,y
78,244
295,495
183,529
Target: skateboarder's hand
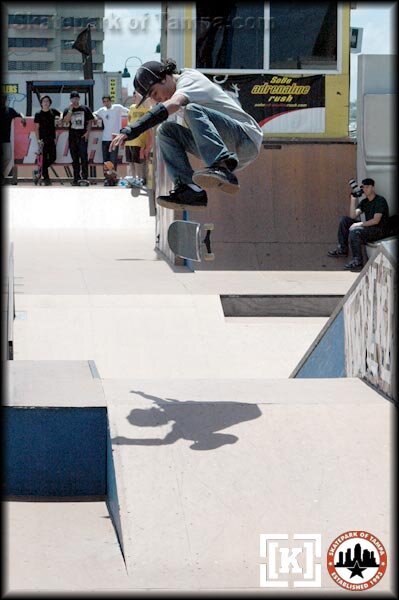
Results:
x,y
117,141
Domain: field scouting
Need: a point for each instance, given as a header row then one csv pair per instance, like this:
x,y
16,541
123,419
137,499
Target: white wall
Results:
x,y
376,124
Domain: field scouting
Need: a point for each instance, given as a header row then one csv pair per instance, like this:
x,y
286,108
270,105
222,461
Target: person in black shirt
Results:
x,y
80,120
7,115
353,233
45,131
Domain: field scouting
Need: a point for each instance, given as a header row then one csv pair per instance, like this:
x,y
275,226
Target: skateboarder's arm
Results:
x,y
175,103
156,115
170,438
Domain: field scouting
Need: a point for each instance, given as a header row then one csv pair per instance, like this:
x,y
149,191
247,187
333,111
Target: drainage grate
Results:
x,y
279,305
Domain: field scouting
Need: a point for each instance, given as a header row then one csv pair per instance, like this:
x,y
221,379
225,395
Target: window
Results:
x,y
230,37
27,42
69,66
303,36
267,36
26,19
78,22
67,44
22,65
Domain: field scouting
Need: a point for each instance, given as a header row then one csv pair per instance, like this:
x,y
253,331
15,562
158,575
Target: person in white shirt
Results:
x,y
217,130
111,115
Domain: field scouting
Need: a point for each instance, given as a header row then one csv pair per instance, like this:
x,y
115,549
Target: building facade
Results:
x,y
40,36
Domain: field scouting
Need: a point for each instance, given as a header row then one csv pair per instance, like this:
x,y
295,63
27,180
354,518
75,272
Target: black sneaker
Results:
x,y
217,176
354,265
47,182
184,197
338,252
74,182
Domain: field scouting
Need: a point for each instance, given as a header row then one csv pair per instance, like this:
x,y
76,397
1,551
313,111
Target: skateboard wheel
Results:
x,y
135,191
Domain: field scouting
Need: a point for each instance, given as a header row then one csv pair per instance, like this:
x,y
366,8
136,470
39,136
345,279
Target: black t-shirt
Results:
x,y
79,119
46,120
377,205
7,114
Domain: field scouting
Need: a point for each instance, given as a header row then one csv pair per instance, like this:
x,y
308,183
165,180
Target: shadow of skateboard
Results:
x,y
185,239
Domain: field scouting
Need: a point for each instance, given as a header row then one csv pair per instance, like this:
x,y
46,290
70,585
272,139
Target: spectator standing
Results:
x,y
7,114
80,120
111,115
138,150
45,131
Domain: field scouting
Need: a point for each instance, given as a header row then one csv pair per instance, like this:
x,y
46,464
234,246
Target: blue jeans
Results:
x,y
209,135
107,155
355,238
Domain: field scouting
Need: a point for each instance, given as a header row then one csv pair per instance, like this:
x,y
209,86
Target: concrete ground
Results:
x,y
213,444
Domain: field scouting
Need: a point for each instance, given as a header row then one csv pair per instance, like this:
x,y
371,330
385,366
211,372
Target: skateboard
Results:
x,y
38,172
83,182
185,240
130,182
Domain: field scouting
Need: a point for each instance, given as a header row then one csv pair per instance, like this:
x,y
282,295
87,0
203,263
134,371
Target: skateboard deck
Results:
x,y
135,188
38,172
185,239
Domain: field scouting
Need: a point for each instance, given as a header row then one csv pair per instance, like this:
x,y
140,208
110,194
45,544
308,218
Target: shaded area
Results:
x,y
54,451
198,422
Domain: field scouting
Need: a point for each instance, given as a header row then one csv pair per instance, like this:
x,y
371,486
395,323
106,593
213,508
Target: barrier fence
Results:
x,y
24,147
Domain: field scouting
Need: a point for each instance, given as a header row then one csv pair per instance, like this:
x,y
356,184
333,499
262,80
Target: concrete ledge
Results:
x,y
52,383
389,243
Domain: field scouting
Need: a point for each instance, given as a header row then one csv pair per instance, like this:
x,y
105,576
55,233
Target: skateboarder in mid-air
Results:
x,y
218,131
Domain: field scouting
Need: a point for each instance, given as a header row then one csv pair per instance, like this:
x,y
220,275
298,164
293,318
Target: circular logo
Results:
x,y
356,560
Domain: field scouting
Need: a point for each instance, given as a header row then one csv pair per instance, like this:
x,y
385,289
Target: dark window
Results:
x,y
231,37
67,44
24,19
27,42
78,22
28,66
69,66
303,35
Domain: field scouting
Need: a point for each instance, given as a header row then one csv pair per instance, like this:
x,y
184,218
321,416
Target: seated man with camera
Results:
x,y
352,232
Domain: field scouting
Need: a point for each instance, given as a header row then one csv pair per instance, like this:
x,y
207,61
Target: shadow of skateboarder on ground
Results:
x,y
195,421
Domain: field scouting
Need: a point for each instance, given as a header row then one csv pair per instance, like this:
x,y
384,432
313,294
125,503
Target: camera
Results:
x,y
357,191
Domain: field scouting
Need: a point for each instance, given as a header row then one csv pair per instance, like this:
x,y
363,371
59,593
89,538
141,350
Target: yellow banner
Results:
x,y
9,88
112,89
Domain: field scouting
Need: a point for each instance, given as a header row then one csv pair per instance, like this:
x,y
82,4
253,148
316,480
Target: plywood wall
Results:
x,y
287,211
